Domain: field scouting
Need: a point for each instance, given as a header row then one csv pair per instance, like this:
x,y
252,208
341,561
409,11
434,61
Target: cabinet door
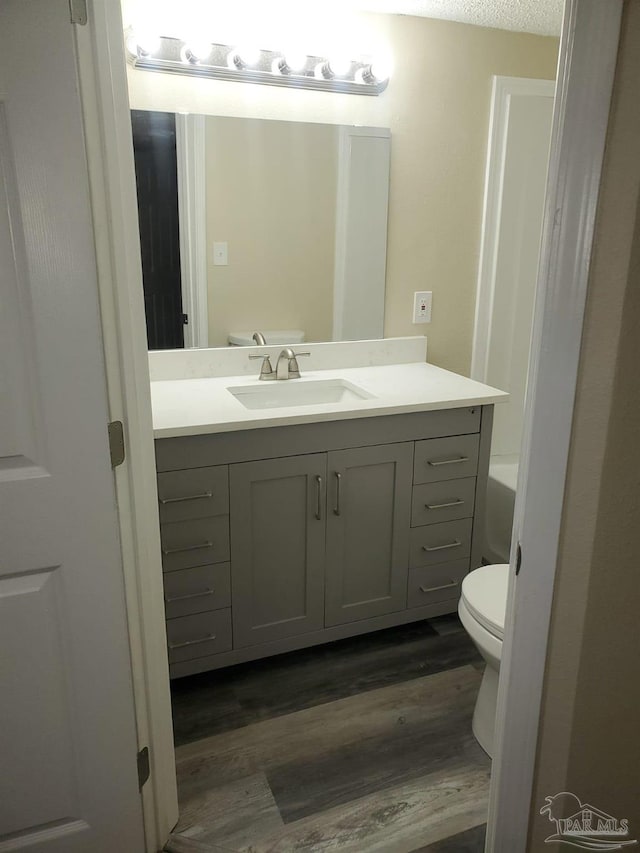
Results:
x,y
369,507
277,547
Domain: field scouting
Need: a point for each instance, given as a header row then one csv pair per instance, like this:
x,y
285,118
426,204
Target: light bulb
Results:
x,y
244,57
339,66
296,61
147,43
195,51
291,63
382,68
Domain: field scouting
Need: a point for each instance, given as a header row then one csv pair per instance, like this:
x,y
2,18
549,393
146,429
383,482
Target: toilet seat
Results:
x,y
484,593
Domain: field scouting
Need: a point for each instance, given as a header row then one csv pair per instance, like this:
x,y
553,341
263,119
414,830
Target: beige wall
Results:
x,y
439,127
271,195
437,106
589,742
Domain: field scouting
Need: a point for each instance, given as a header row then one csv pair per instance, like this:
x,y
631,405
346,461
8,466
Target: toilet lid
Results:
x,y
484,592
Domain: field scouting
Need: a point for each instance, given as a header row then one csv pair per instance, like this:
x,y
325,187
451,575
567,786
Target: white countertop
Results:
x,y
204,405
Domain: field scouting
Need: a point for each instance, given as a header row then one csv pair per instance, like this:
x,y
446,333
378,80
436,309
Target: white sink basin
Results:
x,y
280,394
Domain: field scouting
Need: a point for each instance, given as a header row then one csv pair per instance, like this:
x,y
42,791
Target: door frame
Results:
x,y
586,68
346,239
109,147
192,213
585,73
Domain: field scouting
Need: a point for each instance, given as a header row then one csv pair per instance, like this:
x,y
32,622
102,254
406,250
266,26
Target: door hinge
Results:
x,y
518,559
144,768
116,443
185,319
78,11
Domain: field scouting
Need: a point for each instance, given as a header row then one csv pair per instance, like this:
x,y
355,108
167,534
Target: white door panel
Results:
x,y
67,732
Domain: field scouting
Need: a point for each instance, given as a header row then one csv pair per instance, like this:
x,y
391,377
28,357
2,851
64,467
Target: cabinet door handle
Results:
x,y
336,509
167,551
456,461
456,502
438,588
206,639
186,498
207,591
319,498
454,544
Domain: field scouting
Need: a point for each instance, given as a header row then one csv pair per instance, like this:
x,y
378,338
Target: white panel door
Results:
x,y
68,782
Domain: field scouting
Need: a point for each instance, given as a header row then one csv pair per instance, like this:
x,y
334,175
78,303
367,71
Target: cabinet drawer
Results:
x,y
448,458
196,590
195,543
432,584
444,501
440,543
195,493
192,637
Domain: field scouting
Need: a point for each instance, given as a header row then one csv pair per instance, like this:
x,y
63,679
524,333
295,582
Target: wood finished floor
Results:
x,y
361,745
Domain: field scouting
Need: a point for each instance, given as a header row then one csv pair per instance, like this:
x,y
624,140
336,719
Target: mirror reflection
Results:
x,y
251,225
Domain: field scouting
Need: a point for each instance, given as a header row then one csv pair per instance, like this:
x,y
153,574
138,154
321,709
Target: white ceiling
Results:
x,y
532,16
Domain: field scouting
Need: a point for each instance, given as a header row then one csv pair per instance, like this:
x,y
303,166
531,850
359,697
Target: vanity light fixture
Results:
x,y
245,64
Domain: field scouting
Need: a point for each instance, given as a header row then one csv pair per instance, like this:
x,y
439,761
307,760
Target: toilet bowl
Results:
x,y
482,608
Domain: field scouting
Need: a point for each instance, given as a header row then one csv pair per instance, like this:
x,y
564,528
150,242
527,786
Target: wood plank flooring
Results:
x,y
360,745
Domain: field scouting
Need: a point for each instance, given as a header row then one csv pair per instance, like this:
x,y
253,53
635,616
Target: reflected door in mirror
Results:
x,y
154,145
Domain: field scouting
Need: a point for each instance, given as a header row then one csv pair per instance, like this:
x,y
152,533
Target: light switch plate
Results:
x,y
220,256
422,306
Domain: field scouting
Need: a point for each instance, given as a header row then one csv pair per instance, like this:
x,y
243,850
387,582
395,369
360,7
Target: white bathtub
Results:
x,y
501,494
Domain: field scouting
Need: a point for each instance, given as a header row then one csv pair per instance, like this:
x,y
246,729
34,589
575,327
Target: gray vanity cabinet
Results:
x,y
369,507
283,537
278,547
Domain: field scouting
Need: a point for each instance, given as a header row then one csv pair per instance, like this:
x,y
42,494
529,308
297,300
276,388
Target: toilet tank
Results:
x,y
274,336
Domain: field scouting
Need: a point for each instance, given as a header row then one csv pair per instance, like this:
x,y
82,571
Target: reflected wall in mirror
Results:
x,y
260,225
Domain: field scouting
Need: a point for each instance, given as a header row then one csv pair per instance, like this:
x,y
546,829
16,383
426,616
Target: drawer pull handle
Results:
x,y
206,639
457,502
456,461
438,588
454,544
186,498
207,591
167,551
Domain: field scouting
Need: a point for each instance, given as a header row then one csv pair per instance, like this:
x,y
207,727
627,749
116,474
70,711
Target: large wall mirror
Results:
x,y
260,225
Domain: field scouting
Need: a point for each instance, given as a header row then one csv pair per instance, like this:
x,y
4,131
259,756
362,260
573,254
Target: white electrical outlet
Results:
x,y
422,306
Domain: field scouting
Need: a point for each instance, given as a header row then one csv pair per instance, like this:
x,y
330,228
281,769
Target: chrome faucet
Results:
x,y
259,338
286,367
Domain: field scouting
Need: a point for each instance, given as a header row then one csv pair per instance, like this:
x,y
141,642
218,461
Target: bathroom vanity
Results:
x,y
289,526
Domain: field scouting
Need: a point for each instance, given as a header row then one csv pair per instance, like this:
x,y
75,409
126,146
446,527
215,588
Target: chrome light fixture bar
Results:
x,y
267,67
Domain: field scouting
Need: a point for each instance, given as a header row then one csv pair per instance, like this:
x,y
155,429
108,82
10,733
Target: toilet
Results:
x,y
482,609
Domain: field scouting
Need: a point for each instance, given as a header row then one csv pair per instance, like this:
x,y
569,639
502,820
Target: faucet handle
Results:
x,y
266,371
